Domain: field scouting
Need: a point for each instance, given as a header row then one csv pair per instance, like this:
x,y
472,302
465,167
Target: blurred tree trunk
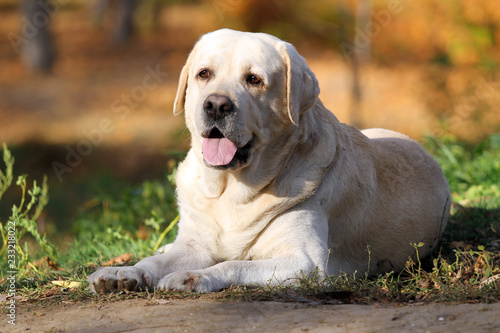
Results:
x,y
360,57
125,27
121,18
38,52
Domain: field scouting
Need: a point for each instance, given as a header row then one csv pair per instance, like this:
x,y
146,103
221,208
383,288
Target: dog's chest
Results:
x,y
236,233
229,223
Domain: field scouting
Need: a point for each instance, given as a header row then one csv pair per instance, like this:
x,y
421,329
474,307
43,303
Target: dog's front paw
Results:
x,y
112,279
187,281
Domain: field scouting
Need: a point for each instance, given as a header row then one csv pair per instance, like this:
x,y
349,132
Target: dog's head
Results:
x,y
241,92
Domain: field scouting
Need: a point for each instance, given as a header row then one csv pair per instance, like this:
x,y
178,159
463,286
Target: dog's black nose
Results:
x,y
217,106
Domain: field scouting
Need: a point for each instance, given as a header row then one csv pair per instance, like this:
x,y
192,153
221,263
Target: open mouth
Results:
x,y
220,152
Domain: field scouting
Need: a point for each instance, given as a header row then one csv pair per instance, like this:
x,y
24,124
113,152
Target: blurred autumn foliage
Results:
x,y
434,61
450,48
421,67
455,33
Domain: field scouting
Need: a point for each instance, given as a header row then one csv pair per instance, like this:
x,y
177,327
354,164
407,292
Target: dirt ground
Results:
x,y
201,315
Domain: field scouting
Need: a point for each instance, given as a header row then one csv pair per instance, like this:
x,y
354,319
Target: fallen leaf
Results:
x,y
489,280
49,293
479,265
162,301
67,284
121,259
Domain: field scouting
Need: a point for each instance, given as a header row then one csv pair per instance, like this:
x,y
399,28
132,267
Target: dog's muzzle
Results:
x,y
221,153
219,149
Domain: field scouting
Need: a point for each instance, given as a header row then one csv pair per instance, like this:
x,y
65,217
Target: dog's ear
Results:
x,y
180,97
302,88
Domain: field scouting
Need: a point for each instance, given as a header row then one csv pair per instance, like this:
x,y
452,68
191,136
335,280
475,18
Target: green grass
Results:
x,y
462,269
473,171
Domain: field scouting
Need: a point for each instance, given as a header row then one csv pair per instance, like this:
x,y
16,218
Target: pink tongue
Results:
x,y
218,151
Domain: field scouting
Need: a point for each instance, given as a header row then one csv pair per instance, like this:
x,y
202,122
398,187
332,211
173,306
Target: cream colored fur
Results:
x,y
313,193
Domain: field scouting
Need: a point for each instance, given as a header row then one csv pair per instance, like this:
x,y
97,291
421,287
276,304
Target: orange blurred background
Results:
x,y
419,67
425,67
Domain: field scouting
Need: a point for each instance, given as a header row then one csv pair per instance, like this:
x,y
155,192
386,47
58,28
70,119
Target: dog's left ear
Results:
x,y
180,97
302,88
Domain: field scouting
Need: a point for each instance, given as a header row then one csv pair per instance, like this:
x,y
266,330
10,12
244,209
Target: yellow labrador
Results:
x,y
274,185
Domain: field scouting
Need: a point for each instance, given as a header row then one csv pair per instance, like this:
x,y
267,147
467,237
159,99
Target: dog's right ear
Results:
x,y
180,97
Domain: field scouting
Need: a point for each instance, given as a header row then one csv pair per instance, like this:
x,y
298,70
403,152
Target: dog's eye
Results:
x,y
254,80
204,74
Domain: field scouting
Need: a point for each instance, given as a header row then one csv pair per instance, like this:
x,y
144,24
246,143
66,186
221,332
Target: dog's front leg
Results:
x,y
294,244
147,272
274,271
